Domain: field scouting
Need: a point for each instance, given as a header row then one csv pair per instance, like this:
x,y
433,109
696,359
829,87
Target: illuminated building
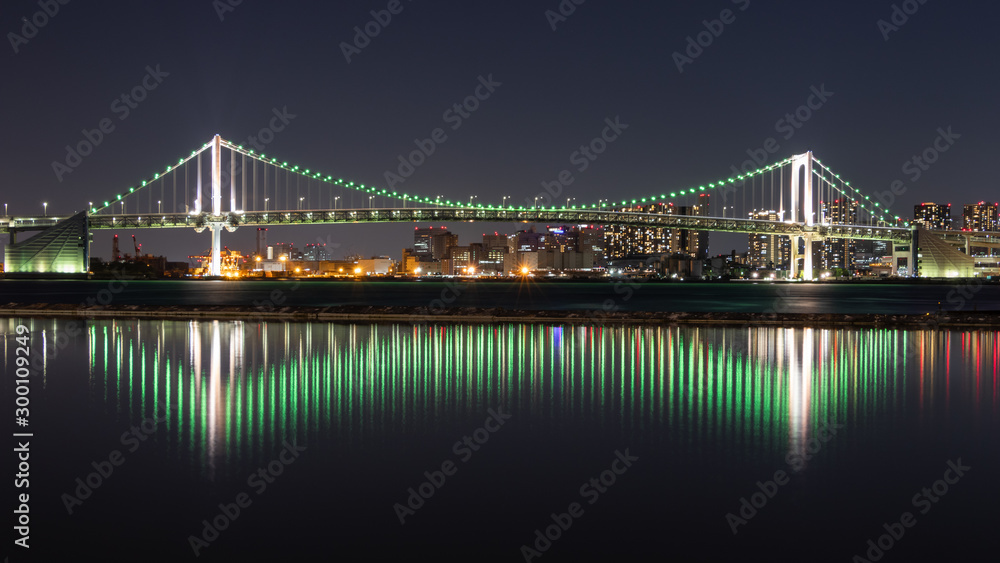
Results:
x,y
625,240
773,252
838,253
932,215
61,249
315,253
980,216
422,241
621,241
693,243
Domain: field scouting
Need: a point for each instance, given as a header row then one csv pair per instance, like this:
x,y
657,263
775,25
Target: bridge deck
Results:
x,y
437,215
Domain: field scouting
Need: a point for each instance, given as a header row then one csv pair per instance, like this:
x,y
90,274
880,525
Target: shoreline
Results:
x,y
424,315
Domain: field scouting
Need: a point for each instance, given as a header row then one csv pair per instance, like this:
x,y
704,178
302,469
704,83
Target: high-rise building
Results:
x,y
693,243
529,241
590,243
457,260
769,251
980,216
315,253
287,250
441,241
621,241
261,241
839,253
422,241
932,215
496,240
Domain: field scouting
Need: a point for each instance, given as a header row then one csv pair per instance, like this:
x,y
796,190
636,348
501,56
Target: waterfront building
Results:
x,y
932,215
772,252
838,253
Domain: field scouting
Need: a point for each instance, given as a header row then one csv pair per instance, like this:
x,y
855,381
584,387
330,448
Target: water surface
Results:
x,y
707,412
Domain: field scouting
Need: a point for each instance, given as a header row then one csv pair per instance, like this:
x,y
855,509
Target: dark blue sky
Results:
x,y
607,59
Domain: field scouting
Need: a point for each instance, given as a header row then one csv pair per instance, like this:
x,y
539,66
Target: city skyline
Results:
x,y
515,146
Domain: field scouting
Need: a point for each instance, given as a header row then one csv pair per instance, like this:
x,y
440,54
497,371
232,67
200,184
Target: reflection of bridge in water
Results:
x,y
800,196
241,388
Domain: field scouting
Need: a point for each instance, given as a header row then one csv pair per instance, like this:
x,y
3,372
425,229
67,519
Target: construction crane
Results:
x,y
116,254
137,248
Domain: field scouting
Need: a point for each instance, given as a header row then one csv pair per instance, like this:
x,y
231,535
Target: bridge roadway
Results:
x,y
232,220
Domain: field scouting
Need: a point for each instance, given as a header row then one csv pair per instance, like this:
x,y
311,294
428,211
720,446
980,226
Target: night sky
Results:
x,y
227,69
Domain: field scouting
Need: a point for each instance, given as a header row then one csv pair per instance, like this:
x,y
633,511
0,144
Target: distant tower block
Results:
x,y
261,241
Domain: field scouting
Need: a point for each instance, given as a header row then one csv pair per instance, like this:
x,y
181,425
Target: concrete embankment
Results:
x,y
422,315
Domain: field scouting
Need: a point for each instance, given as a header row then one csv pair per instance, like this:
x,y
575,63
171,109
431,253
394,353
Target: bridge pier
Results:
x,y
807,261
216,229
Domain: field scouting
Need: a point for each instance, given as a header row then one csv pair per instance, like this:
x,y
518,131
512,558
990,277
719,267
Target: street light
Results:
x,y
5,214
536,202
370,198
266,199
335,202
472,198
569,199
504,204
45,209
300,203
159,206
123,207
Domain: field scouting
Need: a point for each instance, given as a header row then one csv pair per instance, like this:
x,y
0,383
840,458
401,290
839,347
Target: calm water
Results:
x,y
532,295
707,413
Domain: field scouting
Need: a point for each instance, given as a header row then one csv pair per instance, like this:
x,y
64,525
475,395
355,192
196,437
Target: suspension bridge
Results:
x,y
223,186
